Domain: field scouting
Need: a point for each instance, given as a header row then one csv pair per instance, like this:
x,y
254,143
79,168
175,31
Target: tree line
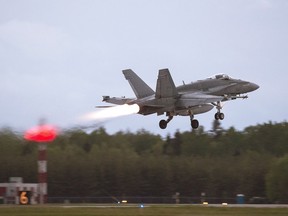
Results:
x,y
220,163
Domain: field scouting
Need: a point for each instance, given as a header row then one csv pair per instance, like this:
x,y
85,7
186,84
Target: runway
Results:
x,y
250,205
174,205
143,209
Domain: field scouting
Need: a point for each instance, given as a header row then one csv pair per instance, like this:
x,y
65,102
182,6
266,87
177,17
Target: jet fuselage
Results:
x,y
219,86
185,100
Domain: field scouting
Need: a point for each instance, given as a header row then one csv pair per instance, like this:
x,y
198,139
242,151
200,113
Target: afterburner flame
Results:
x,y
112,112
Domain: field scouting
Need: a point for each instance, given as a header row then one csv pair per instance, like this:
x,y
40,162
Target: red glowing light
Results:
x,y
42,133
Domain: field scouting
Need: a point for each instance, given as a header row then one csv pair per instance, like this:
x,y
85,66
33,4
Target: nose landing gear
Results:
x,y
219,115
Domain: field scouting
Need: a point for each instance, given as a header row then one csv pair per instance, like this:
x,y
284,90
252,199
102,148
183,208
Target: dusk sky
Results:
x,y
58,57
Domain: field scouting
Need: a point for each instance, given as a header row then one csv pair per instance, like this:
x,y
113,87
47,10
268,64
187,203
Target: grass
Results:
x,y
134,210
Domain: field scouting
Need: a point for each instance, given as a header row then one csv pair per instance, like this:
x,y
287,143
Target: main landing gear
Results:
x,y
163,123
194,122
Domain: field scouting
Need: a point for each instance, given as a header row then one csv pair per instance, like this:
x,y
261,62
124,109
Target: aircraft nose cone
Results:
x,y
254,86
251,87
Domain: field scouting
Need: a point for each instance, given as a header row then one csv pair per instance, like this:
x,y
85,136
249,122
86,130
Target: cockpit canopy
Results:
x,y
221,77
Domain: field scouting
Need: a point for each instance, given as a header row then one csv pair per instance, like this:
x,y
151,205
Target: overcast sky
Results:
x,y
57,58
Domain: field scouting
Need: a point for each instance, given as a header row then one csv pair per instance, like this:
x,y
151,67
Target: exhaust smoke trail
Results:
x,y
112,112
93,120
87,122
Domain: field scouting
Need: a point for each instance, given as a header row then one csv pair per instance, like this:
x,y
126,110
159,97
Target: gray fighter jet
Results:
x,y
185,100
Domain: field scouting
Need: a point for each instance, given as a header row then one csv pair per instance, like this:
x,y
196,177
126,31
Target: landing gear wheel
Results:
x,y
194,124
163,124
216,116
219,115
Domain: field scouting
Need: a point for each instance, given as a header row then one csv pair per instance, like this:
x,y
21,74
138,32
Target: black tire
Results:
x,y
194,124
216,116
163,124
221,116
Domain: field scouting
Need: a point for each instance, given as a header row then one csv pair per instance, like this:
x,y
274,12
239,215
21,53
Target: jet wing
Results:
x,y
196,98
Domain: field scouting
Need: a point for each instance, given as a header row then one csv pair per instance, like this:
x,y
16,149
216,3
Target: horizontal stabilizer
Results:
x,y
117,100
140,88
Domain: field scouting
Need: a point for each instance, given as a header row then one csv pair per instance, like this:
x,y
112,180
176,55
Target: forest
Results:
x,y
220,163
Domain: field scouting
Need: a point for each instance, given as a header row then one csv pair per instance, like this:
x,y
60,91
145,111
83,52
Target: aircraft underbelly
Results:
x,y
194,110
158,106
190,102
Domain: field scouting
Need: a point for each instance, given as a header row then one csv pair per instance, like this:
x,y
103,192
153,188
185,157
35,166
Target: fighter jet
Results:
x,y
185,100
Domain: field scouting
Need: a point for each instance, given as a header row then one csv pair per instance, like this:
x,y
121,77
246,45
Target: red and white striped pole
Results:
x,y
42,172
42,134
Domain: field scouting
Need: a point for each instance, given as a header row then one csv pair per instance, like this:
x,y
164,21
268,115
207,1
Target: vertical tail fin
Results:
x,y
165,85
140,88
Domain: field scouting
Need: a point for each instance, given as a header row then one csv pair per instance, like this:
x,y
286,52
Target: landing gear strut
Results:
x,y
163,123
